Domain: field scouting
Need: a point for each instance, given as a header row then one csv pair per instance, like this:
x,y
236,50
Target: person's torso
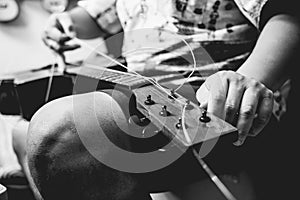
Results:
x,y
151,26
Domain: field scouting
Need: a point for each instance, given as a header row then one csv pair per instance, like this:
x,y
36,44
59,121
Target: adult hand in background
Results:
x,y
58,32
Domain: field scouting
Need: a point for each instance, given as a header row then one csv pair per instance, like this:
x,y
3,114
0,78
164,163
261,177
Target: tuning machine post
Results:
x,y
178,125
204,118
149,100
164,112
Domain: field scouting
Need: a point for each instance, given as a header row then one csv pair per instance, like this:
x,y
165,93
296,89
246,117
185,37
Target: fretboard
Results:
x,y
123,79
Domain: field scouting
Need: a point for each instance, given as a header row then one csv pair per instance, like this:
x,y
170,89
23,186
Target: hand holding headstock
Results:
x,y
167,113
188,126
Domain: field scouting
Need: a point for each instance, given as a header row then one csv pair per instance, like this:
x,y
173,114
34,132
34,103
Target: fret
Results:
x,y
127,80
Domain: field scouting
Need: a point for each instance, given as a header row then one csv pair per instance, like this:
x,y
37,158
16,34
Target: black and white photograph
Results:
x,y
149,99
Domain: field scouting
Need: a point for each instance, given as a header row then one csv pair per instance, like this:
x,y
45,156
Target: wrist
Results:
x,y
257,72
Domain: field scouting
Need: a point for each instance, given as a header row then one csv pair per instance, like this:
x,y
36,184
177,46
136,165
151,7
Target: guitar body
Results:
x,y
9,10
24,93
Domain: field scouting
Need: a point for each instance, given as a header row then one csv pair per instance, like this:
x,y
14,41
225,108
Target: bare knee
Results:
x,y
61,164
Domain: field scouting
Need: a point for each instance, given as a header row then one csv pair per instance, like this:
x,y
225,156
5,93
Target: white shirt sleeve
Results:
x,y
104,13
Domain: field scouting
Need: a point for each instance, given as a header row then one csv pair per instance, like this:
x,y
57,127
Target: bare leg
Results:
x,y
19,134
9,165
62,167
19,142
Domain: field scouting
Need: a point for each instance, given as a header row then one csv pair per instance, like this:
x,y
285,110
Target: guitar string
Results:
x,y
215,179
60,62
194,65
211,174
185,133
155,83
94,49
50,82
152,81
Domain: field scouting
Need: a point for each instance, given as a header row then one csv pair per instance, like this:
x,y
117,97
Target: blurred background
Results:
x,y
21,47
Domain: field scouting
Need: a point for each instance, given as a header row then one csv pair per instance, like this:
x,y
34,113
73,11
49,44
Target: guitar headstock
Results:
x,y
164,112
9,10
167,114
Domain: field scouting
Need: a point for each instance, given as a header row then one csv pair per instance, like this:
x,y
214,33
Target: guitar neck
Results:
x,y
197,131
123,79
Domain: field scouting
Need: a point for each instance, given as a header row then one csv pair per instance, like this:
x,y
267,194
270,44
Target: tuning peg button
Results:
x,y
164,111
204,118
149,100
179,124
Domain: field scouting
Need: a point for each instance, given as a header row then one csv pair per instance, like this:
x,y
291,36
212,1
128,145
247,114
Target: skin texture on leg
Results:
x,y
61,166
19,137
19,134
9,165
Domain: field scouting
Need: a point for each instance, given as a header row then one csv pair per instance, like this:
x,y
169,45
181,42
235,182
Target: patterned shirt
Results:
x,y
159,35
162,24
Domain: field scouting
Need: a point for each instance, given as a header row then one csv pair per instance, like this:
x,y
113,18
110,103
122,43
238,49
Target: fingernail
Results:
x,y
239,142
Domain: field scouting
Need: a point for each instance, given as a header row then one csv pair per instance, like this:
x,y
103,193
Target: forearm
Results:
x,y
275,54
84,25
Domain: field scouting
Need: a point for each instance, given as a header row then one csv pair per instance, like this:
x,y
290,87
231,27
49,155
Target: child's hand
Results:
x,y
59,30
240,100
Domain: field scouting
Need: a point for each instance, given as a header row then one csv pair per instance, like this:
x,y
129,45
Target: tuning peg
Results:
x,y
172,94
149,100
164,111
179,124
204,118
